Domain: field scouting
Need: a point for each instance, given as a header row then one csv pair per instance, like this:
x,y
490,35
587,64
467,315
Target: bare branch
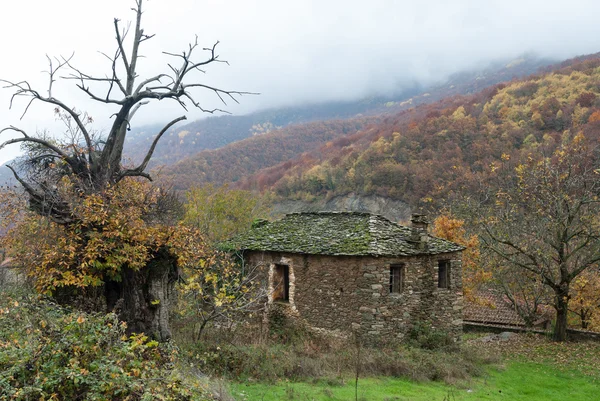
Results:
x,y
121,47
97,98
52,71
136,108
24,89
138,171
33,140
113,61
149,80
13,128
219,92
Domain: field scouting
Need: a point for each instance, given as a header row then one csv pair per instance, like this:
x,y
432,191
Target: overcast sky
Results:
x,y
291,51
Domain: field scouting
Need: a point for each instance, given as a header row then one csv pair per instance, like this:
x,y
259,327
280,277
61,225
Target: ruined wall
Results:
x,y
347,294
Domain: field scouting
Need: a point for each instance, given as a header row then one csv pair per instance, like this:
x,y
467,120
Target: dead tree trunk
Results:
x,y
94,164
143,297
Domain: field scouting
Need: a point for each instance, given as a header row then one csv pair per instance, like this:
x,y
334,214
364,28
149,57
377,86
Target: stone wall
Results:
x,y
10,276
351,294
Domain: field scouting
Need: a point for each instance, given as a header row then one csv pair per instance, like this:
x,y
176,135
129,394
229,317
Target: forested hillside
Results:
x,y
424,155
217,131
241,158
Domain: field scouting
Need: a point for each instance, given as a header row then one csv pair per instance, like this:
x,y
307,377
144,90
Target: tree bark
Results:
x,y
561,305
142,297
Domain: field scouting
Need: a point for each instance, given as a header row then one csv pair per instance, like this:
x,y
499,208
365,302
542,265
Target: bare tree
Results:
x,y
526,293
98,164
545,223
93,164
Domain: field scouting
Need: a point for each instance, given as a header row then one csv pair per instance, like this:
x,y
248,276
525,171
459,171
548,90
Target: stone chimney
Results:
x,y
418,235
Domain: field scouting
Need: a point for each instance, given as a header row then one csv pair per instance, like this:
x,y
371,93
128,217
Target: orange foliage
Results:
x,y
594,117
111,231
452,229
427,155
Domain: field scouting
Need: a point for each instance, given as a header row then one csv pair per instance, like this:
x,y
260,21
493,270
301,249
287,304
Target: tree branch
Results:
x,y
24,89
33,140
139,169
38,202
121,47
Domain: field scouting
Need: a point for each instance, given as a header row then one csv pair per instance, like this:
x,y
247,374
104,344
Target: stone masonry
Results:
x,y
352,293
345,294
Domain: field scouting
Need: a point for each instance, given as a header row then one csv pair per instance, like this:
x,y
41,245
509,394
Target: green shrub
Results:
x,y
48,352
424,336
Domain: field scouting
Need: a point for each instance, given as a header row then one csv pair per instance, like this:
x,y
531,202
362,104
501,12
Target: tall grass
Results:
x,y
295,353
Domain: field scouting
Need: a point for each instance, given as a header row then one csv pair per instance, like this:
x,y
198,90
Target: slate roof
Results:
x,y
336,233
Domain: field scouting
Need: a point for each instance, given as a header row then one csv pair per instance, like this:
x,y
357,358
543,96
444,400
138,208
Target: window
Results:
x,y
444,274
281,283
396,278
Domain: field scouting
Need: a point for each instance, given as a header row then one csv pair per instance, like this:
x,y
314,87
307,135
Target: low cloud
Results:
x,y
292,52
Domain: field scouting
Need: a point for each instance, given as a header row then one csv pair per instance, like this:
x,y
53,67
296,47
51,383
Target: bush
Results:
x,y
53,353
424,336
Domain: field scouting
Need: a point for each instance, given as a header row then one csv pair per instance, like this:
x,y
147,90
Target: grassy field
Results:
x,y
519,381
43,345
534,369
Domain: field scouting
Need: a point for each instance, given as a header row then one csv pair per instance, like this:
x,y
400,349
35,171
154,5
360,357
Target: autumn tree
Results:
x,y
223,288
68,180
220,212
585,303
544,222
474,273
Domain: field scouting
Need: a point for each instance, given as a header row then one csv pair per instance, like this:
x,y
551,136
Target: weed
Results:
x,y
290,392
307,356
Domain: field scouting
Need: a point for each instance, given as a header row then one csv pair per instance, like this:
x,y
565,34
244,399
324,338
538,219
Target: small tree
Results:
x,y
473,270
585,303
67,180
225,287
222,289
525,291
544,221
220,212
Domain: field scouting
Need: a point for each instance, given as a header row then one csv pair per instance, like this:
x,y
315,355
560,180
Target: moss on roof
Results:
x,y
336,233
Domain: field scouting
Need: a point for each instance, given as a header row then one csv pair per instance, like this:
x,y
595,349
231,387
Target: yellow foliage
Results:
x,y
459,113
585,300
110,231
452,229
219,212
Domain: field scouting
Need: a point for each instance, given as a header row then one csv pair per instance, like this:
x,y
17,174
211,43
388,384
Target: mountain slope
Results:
x,y
427,154
217,131
241,158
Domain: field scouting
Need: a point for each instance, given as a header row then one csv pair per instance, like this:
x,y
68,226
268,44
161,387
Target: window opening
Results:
x,y
444,274
396,278
281,283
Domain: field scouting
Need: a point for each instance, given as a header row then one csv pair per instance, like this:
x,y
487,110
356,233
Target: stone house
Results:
x,y
9,272
352,272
